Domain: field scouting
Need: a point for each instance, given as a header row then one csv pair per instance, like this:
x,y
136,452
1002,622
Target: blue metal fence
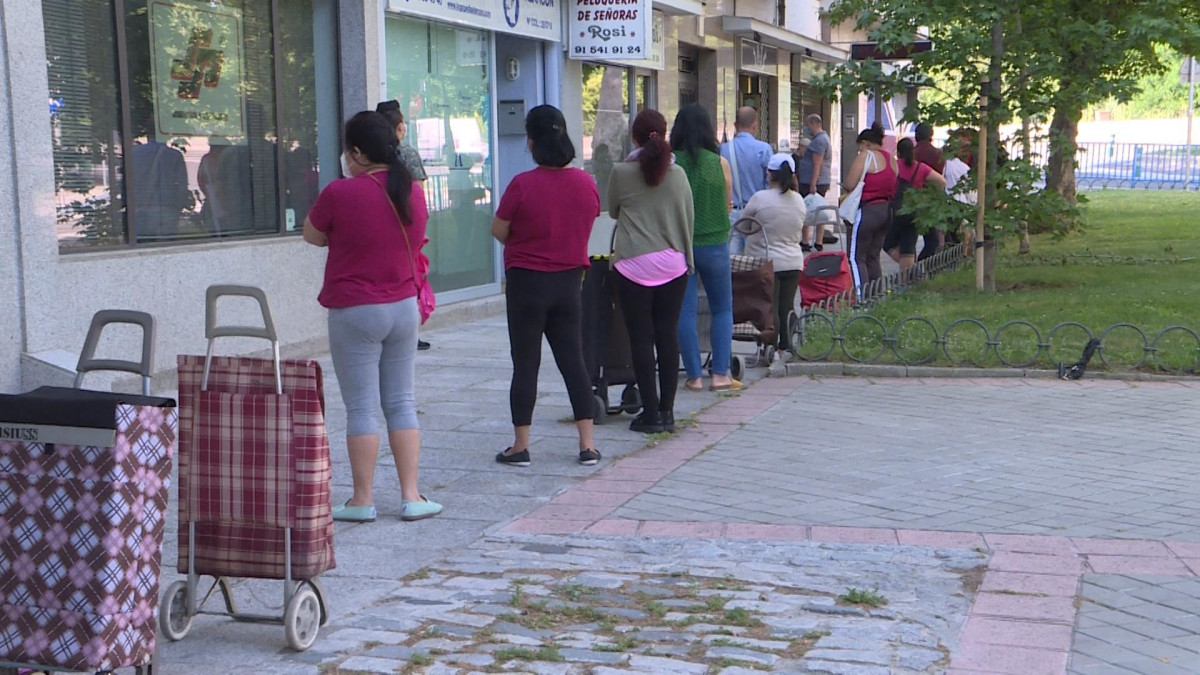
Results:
x,y
1129,165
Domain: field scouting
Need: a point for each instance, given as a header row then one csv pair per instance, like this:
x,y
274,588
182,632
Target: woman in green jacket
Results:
x,y
694,141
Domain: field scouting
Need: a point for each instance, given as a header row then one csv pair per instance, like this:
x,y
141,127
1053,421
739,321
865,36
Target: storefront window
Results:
x,y
212,151
439,75
806,100
605,122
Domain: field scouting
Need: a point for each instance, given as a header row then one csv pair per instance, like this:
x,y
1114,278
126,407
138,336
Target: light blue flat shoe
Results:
x,y
354,514
419,510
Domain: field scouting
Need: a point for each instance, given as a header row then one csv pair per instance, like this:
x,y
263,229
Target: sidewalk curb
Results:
x,y
952,372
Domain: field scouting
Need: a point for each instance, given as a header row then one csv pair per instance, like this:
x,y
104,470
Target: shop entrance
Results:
x,y
755,91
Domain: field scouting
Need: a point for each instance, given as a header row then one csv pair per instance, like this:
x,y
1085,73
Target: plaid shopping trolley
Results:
x,y
83,500
254,477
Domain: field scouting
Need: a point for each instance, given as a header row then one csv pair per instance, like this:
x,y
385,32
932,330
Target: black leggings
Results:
x,y
652,319
546,303
866,242
786,284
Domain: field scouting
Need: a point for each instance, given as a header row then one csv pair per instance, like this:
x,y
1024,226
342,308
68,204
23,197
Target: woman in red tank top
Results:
x,y
876,169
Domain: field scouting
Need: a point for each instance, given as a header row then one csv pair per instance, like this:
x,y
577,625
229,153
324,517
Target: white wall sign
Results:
x,y
472,47
613,30
656,58
196,68
538,19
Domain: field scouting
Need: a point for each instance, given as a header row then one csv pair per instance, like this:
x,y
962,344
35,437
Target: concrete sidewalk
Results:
x,y
1009,526
462,399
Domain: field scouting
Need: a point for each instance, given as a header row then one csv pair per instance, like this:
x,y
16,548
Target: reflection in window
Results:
x,y
210,152
605,122
439,76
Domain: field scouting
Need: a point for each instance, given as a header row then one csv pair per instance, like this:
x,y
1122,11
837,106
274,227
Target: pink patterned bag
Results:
x,y
81,529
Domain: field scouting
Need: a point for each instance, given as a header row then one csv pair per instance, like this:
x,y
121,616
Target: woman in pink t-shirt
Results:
x,y
373,223
901,241
544,221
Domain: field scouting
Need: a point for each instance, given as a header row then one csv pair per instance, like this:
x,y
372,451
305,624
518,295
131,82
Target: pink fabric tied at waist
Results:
x,y
654,269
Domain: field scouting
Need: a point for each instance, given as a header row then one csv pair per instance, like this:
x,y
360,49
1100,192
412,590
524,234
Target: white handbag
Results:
x,y
848,209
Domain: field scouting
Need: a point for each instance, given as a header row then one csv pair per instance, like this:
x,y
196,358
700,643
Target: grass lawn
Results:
x,y
1137,262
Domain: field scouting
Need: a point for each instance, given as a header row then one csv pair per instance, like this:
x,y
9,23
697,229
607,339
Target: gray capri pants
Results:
x,y
374,349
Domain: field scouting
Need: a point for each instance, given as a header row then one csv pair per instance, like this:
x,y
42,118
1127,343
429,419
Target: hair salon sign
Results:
x,y
612,30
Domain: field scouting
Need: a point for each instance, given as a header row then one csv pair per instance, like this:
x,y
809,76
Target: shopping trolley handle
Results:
x,y
748,225
87,357
213,331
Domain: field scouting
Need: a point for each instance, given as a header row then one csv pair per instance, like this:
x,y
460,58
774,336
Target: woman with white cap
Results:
x,y
781,211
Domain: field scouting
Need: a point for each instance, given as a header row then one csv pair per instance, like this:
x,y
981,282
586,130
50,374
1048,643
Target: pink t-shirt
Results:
x,y
654,269
915,174
551,212
368,261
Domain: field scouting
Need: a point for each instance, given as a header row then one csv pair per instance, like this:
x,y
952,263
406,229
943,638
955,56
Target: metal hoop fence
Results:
x,y
915,340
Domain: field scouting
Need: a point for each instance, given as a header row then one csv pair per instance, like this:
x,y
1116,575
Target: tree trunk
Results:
x,y
993,92
1060,167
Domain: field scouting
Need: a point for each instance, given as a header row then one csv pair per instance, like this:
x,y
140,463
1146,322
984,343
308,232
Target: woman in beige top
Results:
x,y
651,200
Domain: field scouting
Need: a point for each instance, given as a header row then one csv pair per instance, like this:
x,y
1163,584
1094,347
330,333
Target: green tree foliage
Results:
x,y
1042,60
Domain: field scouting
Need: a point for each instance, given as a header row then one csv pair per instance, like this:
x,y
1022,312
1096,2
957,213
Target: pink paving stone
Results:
x,y
1025,607
1017,633
568,512
854,535
1031,584
769,532
1139,547
540,526
618,472
1128,564
630,487
1010,660
614,528
1024,543
1184,549
1007,561
666,528
1193,564
597,499
940,539
649,463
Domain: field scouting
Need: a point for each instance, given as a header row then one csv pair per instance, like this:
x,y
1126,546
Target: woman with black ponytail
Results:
x,y
544,221
373,223
781,211
651,200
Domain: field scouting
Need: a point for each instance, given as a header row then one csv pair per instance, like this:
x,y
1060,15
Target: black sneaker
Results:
x,y
819,247
513,459
422,346
643,425
589,457
829,238
807,248
667,417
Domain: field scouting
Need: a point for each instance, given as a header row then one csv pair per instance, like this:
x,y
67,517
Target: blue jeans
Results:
x,y
712,268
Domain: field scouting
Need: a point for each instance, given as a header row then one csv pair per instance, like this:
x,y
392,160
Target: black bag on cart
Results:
x,y
606,341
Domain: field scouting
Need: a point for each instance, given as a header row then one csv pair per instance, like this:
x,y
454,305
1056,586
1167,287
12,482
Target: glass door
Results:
x,y
439,74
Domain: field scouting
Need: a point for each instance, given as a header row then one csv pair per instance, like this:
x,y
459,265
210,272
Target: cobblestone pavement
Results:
x,y
977,524
585,605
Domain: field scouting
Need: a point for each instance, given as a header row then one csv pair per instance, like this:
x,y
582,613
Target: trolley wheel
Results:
x,y
173,618
631,399
600,411
737,367
302,618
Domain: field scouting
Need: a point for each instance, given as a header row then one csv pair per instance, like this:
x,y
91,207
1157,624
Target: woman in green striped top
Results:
x,y
694,141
